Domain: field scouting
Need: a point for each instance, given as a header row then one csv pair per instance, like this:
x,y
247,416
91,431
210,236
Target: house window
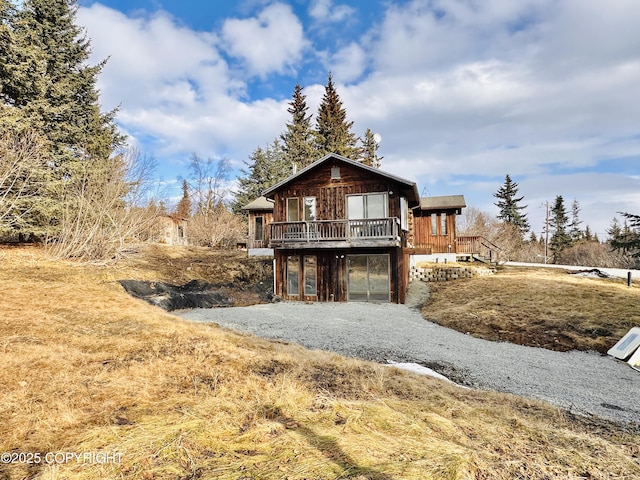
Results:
x,y
434,224
404,214
371,205
310,275
335,173
443,224
309,209
257,228
293,210
293,276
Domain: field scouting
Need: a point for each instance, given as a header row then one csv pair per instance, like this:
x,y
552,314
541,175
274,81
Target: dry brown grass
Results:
x,y
87,368
539,307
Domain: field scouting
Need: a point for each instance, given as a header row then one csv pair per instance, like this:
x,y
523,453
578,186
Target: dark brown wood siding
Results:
x,y
331,193
332,273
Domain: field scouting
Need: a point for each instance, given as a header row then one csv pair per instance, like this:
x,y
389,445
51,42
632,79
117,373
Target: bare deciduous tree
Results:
x,y
23,185
212,224
100,207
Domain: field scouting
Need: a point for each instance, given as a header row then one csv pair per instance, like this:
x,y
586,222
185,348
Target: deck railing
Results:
x,y
478,245
335,230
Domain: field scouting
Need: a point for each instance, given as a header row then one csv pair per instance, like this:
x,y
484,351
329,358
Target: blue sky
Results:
x,y
461,92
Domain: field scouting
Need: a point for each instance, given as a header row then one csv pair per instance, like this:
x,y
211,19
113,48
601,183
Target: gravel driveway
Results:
x,y
582,382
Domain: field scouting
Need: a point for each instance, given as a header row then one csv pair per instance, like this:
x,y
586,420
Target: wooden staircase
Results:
x,y
477,248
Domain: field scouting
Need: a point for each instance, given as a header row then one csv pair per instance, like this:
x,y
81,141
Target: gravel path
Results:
x,y
582,382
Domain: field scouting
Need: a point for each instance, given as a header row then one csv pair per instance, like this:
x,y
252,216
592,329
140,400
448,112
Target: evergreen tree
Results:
x,y
266,167
333,131
368,152
183,209
46,77
298,140
575,232
508,203
588,235
614,232
629,239
46,86
560,240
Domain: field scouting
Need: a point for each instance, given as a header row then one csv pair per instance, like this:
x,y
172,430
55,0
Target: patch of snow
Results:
x,y
419,369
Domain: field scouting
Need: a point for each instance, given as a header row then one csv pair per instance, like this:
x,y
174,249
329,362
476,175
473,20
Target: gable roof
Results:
x,y
260,203
411,190
445,201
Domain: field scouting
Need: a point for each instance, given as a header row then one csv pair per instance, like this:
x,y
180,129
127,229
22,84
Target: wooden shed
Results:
x,y
260,215
434,223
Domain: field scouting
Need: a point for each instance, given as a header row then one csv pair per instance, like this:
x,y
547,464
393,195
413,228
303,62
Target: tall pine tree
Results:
x,y
298,139
368,152
575,231
509,205
183,209
560,240
49,81
333,131
47,87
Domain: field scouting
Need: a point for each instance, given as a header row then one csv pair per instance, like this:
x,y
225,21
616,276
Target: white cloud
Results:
x,y
177,93
462,81
325,11
348,63
271,42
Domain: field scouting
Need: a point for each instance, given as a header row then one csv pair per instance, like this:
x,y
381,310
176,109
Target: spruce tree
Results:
x,y
508,203
50,82
333,131
46,86
560,240
588,235
266,167
368,153
183,209
575,232
628,239
298,140
614,232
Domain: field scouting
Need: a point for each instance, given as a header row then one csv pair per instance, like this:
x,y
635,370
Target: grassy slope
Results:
x,y
538,307
85,368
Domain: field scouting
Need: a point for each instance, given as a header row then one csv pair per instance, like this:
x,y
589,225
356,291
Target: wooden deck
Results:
x,y
371,232
466,248
478,247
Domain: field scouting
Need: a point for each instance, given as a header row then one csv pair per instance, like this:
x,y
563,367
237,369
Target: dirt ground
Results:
x,y
245,280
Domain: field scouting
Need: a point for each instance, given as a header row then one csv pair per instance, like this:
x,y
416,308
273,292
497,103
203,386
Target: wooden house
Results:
x,y
338,232
343,231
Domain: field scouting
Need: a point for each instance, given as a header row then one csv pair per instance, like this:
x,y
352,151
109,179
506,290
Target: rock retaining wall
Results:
x,y
443,274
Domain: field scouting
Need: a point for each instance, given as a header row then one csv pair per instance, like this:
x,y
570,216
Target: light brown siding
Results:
x,y
439,243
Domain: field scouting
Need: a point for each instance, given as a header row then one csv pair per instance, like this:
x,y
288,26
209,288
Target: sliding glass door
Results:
x,y
368,278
